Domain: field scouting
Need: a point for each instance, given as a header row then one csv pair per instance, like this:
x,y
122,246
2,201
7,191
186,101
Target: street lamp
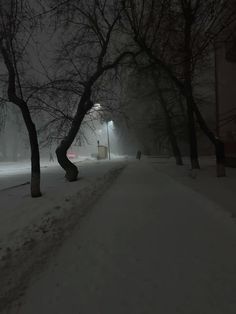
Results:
x,y
97,108
108,139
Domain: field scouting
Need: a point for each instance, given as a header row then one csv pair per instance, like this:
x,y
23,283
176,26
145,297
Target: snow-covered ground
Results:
x,y
222,191
42,222
161,239
150,244
18,209
9,169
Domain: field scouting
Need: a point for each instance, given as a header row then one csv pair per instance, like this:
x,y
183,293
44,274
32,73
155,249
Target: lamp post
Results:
x,y
216,90
108,139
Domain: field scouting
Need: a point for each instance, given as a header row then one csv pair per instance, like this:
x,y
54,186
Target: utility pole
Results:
x,y
108,142
217,91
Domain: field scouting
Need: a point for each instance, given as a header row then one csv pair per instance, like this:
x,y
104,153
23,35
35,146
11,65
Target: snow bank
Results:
x,y
31,228
221,191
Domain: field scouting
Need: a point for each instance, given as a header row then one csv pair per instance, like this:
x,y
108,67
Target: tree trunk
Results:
x,y
219,145
189,89
192,137
220,158
70,169
35,157
170,131
18,101
61,151
15,148
176,150
3,146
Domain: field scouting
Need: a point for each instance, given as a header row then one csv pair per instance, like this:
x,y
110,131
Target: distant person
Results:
x,y
51,157
138,155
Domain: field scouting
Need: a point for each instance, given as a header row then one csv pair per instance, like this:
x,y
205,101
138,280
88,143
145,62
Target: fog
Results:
x,y
114,134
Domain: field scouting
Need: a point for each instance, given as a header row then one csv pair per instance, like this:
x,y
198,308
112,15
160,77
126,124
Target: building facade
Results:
x,y
225,72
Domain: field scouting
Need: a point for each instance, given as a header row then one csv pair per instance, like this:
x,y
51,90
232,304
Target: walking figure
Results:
x,y
138,156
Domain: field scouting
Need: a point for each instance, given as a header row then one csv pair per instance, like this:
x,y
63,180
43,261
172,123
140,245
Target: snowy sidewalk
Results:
x,y
149,245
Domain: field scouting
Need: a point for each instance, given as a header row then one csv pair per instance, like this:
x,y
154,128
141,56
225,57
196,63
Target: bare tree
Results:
x,y
15,33
171,131
2,114
90,49
175,36
153,24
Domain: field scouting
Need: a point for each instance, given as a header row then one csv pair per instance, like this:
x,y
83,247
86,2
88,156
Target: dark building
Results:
x,y
225,57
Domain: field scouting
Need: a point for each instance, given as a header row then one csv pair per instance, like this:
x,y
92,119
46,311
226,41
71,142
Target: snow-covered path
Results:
x,y
150,245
